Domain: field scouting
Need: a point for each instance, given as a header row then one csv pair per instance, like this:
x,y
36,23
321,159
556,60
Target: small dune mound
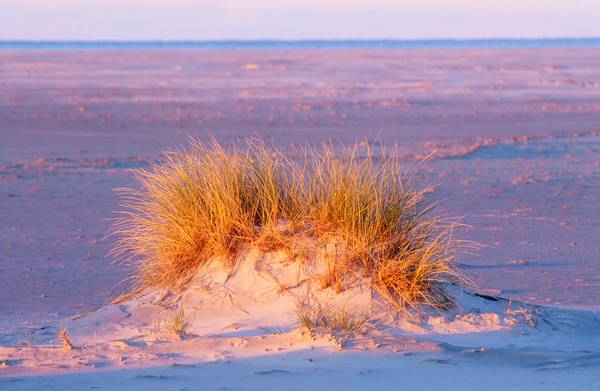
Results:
x,y
264,293
342,219
245,250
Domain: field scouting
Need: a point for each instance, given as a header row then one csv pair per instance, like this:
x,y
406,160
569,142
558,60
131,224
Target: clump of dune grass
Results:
x,y
208,203
316,318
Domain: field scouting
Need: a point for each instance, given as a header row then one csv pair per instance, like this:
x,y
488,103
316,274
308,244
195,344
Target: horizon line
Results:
x,y
299,44
250,40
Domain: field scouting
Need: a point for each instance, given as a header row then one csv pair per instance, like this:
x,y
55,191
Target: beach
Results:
x,y
507,139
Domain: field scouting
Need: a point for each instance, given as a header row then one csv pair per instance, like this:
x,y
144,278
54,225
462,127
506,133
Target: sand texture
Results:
x,y
509,139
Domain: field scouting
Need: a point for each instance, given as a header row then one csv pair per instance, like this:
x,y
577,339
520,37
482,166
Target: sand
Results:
x,y
243,321
512,140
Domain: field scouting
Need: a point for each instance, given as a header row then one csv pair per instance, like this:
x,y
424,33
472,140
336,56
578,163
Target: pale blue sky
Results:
x,y
295,19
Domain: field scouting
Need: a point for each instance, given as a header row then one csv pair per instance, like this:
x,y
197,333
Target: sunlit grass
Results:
x,y
210,203
316,318
181,324
65,340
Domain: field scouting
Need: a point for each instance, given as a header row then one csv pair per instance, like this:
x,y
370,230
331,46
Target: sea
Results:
x,y
301,44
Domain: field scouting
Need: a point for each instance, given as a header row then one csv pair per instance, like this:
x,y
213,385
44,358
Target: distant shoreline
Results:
x,y
303,44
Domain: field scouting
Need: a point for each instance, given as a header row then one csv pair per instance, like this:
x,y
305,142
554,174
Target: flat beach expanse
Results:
x,y
507,138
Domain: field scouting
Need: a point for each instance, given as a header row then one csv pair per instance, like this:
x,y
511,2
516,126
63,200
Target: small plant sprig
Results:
x,y
181,324
64,338
339,323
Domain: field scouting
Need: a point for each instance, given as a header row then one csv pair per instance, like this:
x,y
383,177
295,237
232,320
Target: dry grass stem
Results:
x,y
63,338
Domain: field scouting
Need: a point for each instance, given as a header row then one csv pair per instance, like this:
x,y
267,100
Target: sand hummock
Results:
x,y
251,311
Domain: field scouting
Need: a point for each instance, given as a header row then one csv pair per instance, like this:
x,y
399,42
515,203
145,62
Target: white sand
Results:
x,y
246,335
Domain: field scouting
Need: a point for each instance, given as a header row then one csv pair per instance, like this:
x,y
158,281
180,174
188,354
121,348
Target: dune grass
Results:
x,y
209,203
65,340
181,324
316,318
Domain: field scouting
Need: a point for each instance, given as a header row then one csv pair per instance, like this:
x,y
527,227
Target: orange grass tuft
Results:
x,y
208,203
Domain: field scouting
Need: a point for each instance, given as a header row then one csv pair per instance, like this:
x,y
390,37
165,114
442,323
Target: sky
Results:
x,y
296,19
